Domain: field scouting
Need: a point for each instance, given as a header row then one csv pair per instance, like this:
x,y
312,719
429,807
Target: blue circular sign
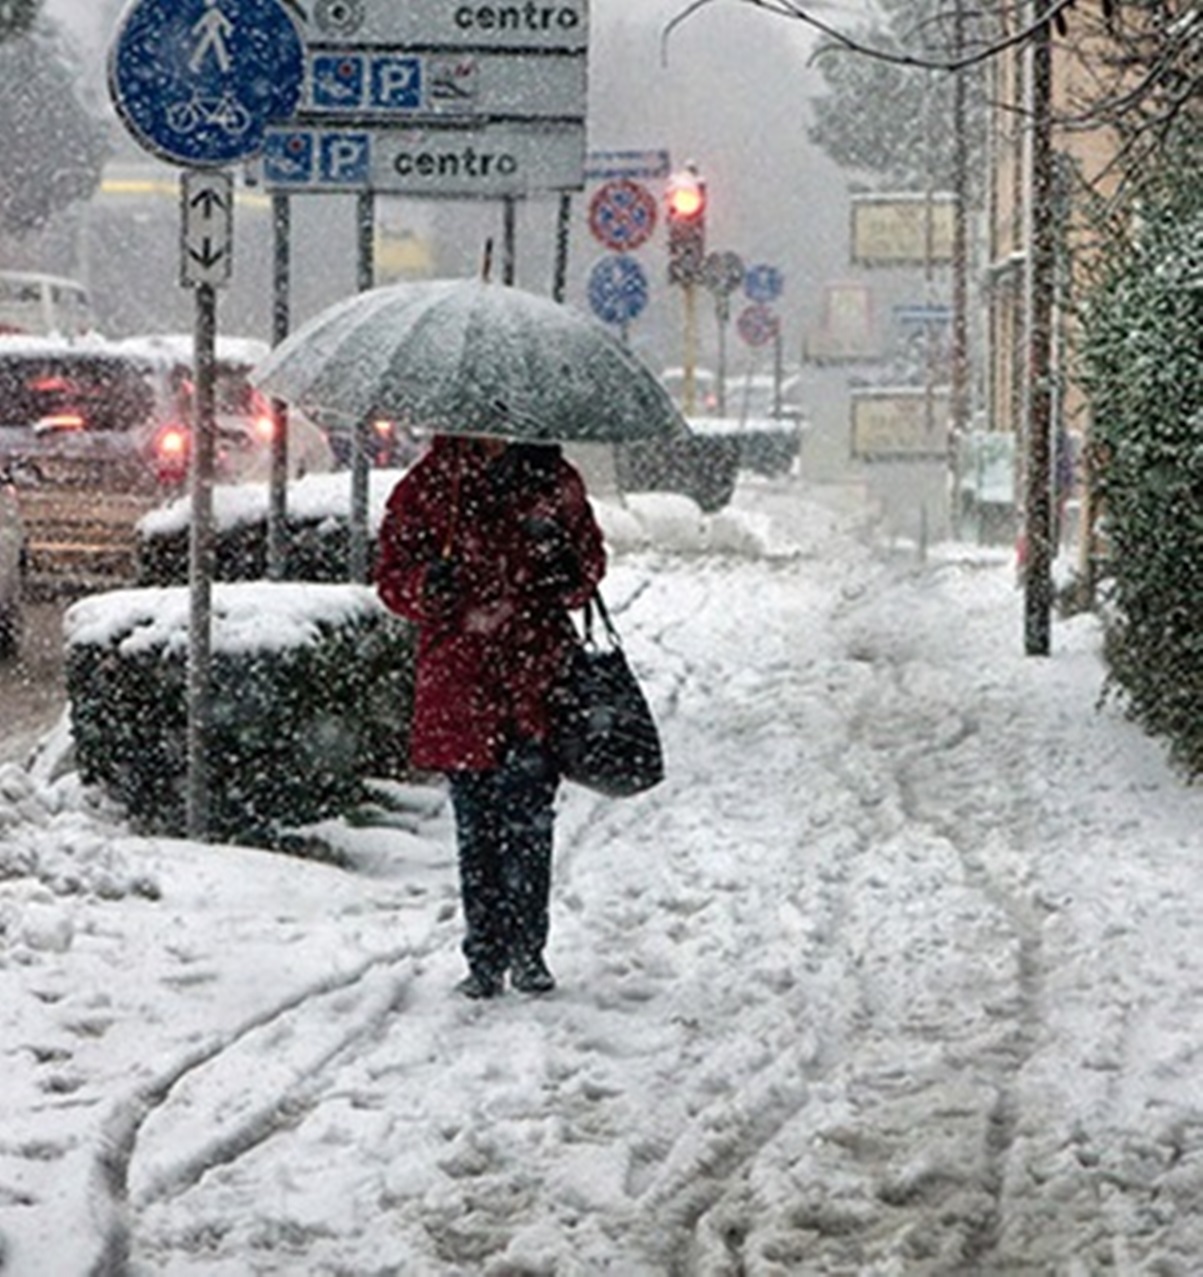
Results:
x,y
618,289
197,81
763,283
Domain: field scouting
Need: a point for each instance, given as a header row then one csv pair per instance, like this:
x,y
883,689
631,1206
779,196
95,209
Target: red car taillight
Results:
x,y
171,448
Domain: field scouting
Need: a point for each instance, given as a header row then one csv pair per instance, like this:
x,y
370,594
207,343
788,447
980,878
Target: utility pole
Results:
x,y
1038,586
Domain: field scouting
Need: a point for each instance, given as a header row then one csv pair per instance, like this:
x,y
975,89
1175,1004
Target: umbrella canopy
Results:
x,y
467,357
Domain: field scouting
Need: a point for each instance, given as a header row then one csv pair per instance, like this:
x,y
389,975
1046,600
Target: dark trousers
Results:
x,y
503,824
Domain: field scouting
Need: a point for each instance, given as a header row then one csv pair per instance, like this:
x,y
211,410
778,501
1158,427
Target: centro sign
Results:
x,y
489,161
529,17
542,25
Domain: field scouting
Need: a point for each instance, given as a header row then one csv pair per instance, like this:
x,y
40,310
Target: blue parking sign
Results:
x,y
397,83
345,158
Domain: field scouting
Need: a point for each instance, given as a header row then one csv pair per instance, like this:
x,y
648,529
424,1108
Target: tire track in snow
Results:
x,y
113,1202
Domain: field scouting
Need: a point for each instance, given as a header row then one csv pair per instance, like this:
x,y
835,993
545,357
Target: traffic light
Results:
x,y
686,215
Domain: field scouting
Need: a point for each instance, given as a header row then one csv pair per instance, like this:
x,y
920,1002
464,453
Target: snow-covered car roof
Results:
x,y
179,346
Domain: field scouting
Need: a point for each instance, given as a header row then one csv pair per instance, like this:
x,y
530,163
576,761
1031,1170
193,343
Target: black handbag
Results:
x,y
603,734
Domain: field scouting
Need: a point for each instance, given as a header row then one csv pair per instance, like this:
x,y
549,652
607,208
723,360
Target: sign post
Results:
x,y
196,83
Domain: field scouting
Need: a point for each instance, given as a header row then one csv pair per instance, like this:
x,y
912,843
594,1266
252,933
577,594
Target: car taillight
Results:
x,y
171,448
59,421
172,442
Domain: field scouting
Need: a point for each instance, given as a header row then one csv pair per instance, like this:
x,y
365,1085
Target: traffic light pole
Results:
x,y
689,389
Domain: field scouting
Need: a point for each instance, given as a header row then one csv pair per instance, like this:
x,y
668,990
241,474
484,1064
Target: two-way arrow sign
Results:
x,y
207,250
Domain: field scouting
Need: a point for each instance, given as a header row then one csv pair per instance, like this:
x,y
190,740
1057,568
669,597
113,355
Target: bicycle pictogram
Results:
x,y
224,112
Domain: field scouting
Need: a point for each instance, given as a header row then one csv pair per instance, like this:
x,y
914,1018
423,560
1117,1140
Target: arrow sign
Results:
x,y
207,251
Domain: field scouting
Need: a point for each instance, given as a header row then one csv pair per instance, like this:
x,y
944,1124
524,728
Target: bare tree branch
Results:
x,y
795,10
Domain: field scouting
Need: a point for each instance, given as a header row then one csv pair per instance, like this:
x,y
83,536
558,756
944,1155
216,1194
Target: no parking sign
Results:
x,y
757,324
622,214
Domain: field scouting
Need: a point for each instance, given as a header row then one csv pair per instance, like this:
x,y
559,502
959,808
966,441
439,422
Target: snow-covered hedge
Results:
x,y
1144,376
311,696
316,543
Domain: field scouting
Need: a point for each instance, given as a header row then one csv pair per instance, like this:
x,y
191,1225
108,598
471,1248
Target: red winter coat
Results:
x,y
487,556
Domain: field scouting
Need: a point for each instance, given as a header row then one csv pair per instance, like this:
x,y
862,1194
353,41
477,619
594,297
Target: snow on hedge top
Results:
x,y
247,616
310,499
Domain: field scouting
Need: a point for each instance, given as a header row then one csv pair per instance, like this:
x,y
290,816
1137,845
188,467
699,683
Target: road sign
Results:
x,y
618,289
378,86
757,324
548,24
489,160
764,283
207,222
197,81
722,273
622,214
601,166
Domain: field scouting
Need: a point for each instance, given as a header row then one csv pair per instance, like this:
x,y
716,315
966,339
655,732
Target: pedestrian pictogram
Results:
x,y
622,214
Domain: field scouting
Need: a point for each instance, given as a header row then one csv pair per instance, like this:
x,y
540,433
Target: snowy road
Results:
x,y
900,972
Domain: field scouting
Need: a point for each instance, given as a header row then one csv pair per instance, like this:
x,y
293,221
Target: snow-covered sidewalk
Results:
x,y
899,972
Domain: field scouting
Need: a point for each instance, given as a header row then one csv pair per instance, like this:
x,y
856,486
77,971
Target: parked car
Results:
x,y
244,420
12,568
36,303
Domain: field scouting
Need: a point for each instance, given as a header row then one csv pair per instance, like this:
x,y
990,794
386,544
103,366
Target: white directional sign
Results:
x,y
385,86
207,220
487,160
508,24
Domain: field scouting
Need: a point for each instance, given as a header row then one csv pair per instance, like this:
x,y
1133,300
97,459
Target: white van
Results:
x,y
46,305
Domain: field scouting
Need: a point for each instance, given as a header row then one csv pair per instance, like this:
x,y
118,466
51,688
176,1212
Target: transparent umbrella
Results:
x,y
469,357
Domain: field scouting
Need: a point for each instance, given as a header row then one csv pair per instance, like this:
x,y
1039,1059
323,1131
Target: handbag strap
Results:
x,y
595,600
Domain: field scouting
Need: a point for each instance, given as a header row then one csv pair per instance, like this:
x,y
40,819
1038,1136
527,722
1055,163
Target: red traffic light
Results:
x,y
686,198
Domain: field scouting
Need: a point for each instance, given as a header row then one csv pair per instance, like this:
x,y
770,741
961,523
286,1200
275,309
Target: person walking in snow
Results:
x,y
486,546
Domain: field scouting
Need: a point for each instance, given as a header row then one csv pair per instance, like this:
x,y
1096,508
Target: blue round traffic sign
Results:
x,y
618,289
764,283
197,81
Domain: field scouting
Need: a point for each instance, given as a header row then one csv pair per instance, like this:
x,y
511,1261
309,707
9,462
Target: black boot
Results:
x,y
529,974
480,984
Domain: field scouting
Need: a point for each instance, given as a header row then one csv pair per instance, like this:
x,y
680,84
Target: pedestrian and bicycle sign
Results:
x,y
764,283
197,81
622,214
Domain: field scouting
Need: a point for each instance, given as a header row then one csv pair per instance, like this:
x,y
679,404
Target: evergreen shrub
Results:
x,y
1143,373
311,697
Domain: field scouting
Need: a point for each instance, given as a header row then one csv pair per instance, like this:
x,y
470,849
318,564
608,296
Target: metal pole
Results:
x,y
722,312
509,239
1038,588
689,389
563,227
200,568
959,379
360,461
277,510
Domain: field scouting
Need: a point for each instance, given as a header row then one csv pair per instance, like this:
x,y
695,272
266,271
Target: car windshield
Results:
x,y
80,392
